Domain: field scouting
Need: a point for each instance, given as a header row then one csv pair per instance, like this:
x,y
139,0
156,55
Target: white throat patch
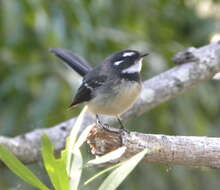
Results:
x,y
136,68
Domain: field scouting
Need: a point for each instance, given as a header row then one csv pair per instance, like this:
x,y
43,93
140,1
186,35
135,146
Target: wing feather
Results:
x,y
85,91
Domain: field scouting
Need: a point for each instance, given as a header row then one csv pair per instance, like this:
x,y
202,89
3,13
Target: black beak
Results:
x,y
144,54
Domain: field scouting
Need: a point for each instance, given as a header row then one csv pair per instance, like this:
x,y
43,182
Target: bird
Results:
x,y
110,88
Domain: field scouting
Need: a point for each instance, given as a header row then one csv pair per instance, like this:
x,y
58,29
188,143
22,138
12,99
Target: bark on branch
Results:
x,y
200,65
173,150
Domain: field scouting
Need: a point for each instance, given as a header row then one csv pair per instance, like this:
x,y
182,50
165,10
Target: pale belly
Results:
x,y
115,103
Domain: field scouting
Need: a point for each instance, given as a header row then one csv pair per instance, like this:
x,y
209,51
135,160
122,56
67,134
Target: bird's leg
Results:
x,y
119,121
122,128
98,122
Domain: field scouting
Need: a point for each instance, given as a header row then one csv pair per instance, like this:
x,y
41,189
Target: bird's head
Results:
x,y
127,61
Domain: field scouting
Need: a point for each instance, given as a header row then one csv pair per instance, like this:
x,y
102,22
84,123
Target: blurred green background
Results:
x,y
36,88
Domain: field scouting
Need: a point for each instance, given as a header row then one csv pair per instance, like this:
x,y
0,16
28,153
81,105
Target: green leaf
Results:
x,y
76,165
113,155
103,159
76,169
56,168
20,169
120,173
101,173
73,137
83,136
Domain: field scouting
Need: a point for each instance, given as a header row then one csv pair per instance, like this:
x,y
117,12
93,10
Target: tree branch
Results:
x,y
174,150
200,65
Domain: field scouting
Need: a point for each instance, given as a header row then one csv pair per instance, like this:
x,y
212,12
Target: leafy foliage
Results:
x,y
20,169
119,174
56,167
65,172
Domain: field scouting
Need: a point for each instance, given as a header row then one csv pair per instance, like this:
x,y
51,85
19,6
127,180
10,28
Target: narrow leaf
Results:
x,y
101,173
76,169
120,173
55,167
83,136
20,169
73,136
108,157
77,162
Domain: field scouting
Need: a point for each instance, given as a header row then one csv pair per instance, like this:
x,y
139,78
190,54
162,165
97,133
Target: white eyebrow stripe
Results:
x,y
128,54
118,62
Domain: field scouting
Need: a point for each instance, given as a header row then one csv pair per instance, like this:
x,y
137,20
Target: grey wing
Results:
x,y
85,91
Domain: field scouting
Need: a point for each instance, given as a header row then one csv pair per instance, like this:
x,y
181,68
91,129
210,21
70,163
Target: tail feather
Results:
x,y
77,63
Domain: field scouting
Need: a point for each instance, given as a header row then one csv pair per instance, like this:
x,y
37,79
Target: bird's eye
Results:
x,y
128,54
118,62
